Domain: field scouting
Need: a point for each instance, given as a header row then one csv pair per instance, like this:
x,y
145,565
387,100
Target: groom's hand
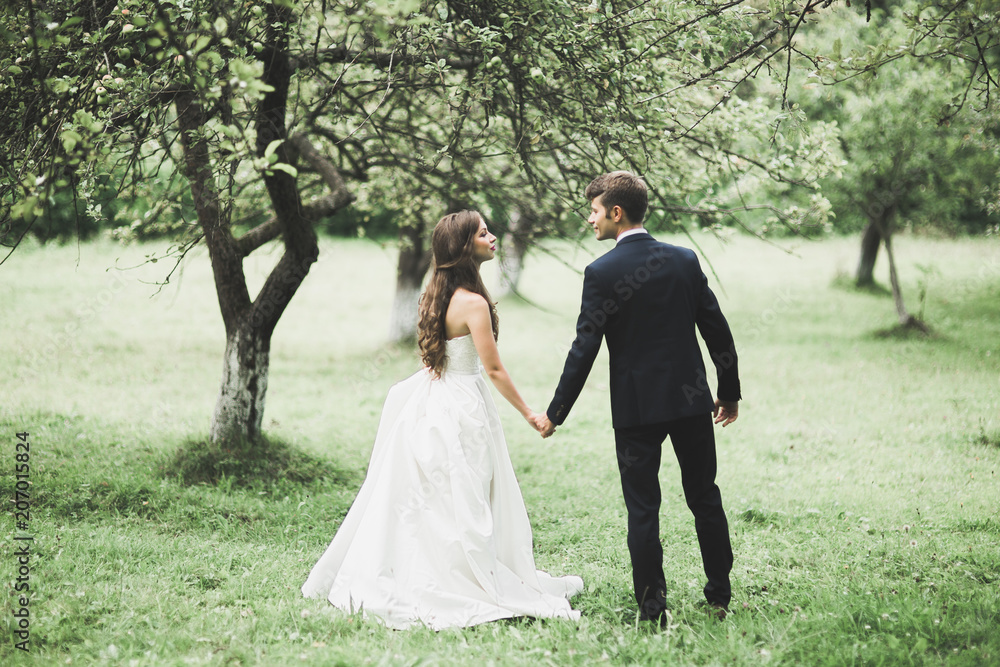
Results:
x,y
726,412
545,426
540,422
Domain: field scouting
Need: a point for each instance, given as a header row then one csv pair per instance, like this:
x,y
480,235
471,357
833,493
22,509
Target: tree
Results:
x,y
209,82
908,158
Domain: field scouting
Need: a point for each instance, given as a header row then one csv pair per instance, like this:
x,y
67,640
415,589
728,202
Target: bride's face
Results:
x,y
485,245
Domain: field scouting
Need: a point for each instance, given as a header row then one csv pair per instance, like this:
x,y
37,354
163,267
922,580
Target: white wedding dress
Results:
x,y
438,534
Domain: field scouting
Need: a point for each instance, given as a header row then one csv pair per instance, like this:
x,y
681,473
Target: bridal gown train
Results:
x,y
438,534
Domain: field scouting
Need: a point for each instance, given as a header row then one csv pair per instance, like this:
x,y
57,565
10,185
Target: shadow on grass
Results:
x,y
86,470
763,517
907,332
848,283
244,464
987,438
913,329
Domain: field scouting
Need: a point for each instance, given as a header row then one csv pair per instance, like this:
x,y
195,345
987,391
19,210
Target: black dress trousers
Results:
x,y
638,449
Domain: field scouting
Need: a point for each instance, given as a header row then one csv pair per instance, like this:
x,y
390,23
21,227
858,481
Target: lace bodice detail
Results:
x,y
462,356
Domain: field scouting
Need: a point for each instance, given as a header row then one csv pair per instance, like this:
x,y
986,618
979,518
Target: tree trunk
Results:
x,y
403,321
414,260
239,410
513,247
871,239
905,319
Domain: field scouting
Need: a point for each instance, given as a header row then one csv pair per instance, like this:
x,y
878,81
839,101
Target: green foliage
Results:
x,y
156,204
954,32
96,101
910,155
421,106
358,222
984,135
427,106
65,219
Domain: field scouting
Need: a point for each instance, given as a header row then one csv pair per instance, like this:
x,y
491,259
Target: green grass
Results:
x,y
860,480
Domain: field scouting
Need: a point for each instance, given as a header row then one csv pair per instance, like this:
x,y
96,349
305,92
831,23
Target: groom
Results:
x,y
646,298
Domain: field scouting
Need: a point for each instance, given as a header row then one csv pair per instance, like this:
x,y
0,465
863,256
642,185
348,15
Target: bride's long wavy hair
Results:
x,y
452,243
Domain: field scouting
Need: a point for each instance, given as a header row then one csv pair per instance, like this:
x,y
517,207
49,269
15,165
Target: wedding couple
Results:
x,y
439,534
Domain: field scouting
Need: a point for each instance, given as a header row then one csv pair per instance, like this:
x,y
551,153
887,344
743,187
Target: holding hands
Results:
x,y
725,413
540,421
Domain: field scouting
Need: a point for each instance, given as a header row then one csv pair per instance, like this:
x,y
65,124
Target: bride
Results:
x,y
438,534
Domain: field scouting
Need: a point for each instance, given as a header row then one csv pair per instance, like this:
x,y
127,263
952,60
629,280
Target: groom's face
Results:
x,y
602,220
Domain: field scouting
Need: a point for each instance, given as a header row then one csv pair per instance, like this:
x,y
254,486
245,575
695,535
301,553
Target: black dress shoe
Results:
x,y
716,609
653,610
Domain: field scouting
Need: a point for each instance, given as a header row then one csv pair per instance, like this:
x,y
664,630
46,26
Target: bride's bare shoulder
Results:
x,y
465,298
465,307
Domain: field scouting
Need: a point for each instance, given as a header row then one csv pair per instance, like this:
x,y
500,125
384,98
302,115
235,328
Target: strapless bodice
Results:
x,y
462,356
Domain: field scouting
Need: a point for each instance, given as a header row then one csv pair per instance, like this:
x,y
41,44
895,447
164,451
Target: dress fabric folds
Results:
x,y
438,534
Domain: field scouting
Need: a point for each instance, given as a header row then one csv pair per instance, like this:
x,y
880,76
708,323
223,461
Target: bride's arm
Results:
x,y
477,315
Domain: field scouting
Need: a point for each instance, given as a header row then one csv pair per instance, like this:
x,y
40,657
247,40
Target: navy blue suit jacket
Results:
x,y
646,299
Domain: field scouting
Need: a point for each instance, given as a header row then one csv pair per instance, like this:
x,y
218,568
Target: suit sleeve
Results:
x,y
718,338
589,334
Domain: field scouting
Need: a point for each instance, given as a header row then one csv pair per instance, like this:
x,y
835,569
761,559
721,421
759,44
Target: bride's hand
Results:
x,y
541,422
535,419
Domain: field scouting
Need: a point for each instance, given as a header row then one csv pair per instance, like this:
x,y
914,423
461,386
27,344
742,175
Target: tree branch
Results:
x,y
339,195
227,263
342,54
258,236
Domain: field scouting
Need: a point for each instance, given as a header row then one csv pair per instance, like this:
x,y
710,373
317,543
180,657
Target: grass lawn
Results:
x,y
860,480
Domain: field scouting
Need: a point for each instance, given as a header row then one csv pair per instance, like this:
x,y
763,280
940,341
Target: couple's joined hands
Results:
x,y
725,413
540,421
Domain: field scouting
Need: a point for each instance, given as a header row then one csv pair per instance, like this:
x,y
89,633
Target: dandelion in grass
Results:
x,y
906,529
913,543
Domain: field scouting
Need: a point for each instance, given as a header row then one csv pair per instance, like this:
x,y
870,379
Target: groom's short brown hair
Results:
x,y
621,188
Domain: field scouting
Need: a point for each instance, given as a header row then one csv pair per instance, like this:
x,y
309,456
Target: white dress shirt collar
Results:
x,y
630,232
